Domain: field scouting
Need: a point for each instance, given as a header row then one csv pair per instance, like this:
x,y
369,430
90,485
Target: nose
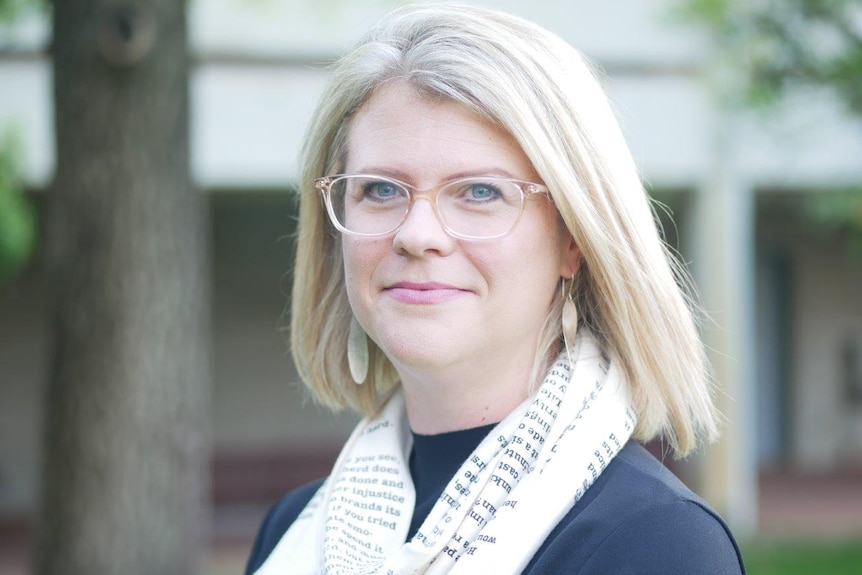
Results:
x,y
422,232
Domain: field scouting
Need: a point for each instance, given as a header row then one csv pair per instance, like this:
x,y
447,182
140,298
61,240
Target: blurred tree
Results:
x,y
780,45
126,452
774,48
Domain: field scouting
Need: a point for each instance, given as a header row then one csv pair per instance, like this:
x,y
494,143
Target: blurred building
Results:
x,y
786,297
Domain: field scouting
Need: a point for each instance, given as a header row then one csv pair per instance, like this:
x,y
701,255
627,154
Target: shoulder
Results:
x,y
639,516
277,521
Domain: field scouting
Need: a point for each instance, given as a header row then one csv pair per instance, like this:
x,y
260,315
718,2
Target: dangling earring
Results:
x,y
570,320
357,352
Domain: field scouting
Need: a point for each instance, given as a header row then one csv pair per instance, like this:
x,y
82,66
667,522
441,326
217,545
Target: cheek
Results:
x,y
361,258
534,263
534,248
354,264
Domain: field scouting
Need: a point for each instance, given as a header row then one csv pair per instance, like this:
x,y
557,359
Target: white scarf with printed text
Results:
x,y
498,508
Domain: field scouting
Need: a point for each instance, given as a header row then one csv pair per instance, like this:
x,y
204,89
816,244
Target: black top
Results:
x,y
433,462
636,518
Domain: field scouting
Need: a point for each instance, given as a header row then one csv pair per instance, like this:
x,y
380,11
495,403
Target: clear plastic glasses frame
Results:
x,y
484,216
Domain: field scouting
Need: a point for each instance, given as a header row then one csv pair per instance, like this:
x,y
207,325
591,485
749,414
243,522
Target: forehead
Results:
x,y
422,137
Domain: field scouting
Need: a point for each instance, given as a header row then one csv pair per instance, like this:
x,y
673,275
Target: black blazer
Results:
x,y
637,518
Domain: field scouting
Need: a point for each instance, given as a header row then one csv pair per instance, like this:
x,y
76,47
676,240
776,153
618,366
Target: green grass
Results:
x,y
764,557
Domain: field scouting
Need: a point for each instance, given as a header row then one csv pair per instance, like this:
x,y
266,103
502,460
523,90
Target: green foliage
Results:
x,y
17,216
11,10
781,44
803,557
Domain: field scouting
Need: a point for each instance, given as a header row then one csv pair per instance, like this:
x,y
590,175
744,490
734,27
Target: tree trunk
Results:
x,y
125,479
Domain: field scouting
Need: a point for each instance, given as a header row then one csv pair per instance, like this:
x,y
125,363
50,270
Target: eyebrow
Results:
x,y
407,179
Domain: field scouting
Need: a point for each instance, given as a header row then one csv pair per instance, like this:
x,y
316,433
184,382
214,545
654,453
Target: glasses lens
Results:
x,y
368,204
480,207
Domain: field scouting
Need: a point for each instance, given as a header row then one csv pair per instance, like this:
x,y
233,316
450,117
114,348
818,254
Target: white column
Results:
x,y
723,265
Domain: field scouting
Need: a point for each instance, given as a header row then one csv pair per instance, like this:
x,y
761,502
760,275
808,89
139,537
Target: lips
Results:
x,y
424,292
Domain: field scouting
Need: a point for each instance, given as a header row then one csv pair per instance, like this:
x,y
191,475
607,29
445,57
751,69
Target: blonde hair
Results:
x,y
540,90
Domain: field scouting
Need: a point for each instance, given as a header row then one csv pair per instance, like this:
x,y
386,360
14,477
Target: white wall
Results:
x,y
261,68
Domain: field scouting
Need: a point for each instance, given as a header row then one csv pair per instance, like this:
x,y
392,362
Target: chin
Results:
x,y
417,354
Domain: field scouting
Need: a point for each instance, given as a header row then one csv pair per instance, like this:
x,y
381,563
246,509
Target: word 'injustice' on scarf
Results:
x,y
498,508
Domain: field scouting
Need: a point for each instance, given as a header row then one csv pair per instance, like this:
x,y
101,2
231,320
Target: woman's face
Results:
x,y
430,301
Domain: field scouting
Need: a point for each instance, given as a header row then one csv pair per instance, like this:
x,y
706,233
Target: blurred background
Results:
x,y
147,155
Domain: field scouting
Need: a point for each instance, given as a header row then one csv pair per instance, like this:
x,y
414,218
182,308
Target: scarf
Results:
x,y
499,506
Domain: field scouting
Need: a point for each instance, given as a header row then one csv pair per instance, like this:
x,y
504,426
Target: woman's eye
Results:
x,y
481,193
381,191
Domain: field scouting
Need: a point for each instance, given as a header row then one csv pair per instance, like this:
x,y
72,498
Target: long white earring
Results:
x,y
357,352
570,320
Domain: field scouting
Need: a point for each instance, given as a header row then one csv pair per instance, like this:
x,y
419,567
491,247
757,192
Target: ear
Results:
x,y
570,256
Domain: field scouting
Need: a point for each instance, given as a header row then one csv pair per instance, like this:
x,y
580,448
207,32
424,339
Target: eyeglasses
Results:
x,y
475,208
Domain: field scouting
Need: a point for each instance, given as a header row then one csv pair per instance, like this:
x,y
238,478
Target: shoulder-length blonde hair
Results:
x,y
539,89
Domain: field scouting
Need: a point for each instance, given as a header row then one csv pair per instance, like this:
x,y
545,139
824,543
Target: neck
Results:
x,y
459,397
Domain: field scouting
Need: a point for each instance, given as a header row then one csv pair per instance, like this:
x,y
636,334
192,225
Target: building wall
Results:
x,y
827,305
810,315
259,402
23,373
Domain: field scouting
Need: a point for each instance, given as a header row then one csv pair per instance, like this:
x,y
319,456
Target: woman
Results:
x,y
479,273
